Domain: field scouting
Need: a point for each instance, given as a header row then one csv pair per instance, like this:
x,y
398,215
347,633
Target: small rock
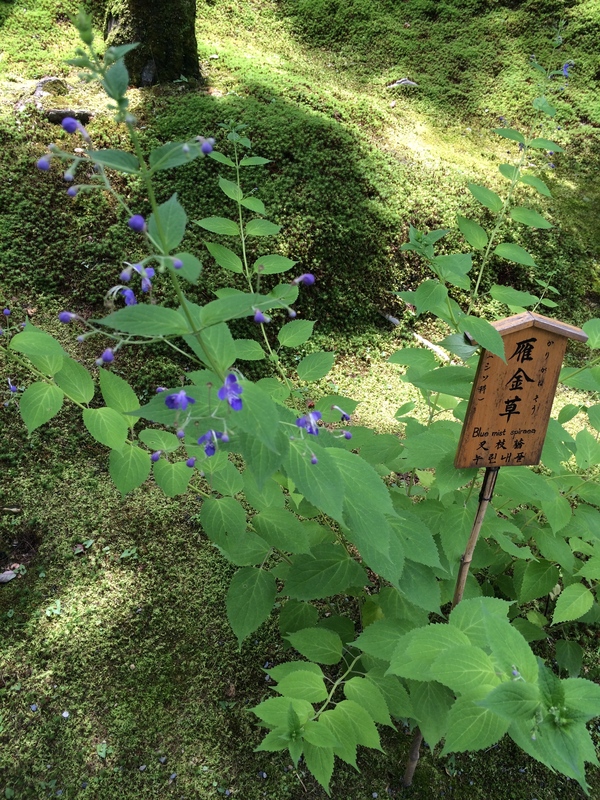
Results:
x,y
142,768
65,714
56,115
163,759
51,86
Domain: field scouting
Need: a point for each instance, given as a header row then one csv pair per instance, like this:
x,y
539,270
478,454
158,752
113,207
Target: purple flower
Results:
x,y
179,401
231,391
68,176
129,297
551,165
190,462
137,223
160,389
206,148
66,316
155,456
180,434
107,356
309,422
146,284
210,441
565,69
43,164
260,317
291,313
12,386
125,276
345,416
177,263
70,124
314,459
307,279
72,191
347,434
6,312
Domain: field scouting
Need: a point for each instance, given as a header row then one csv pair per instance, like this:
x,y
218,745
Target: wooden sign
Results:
x,y
509,409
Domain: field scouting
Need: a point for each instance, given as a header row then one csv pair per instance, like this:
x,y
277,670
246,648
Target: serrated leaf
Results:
x,y
296,615
471,616
254,204
282,529
129,468
222,516
172,477
484,334
303,684
510,133
254,161
569,656
159,440
222,225
431,296
545,144
453,268
225,257
261,227
536,183
146,320
455,381
471,727
75,381
275,710
486,197
431,703
319,761
173,154
328,571
573,602
380,638
369,696
539,578
222,159
295,333
116,159
231,189
248,350
512,297
317,644
117,393
320,483
39,403
273,264
167,226
514,252
250,599
107,426
115,80
527,216
41,349
315,366
588,450
464,668
473,232
509,171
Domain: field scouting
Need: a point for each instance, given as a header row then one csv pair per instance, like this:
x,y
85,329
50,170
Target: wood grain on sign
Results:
x,y
509,409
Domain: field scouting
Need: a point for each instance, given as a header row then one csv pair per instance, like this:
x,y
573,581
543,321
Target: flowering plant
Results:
x,y
316,504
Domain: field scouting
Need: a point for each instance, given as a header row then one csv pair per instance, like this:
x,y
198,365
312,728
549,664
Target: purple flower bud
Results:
x,y
129,297
6,312
66,316
68,176
155,456
550,152
551,165
190,462
70,124
107,356
347,435
206,148
12,386
125,276
314,459
43,164
81,339
149,272
291,313
185,148
137,223
260,317
180,434
307,279
345,417
160,389
177,263
72,191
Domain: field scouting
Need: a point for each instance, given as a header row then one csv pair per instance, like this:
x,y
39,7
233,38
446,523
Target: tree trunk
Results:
x,y
166,32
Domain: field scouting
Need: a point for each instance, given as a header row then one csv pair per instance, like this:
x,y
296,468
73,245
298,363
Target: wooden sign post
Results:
x,y
509,408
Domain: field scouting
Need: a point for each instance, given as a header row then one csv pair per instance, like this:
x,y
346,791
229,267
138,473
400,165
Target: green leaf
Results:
x,y
471,727
328,571
274,741
287,668
271,265
281,529
117,393
116,159
582,696
420,585
473,232
219,345
573,602
542,104
368,695
116,80
226,227
129,468
529,217
380,638
354,716
254,161
545,144
41,349
317,644
296,332
319,761
539,578
146,320
315,366
261,459
484,334
420,648
294,616
258,416
512,297
159,440
456,344
231,189
587,454
254,204
248,350
431,703
464,668
514,252
172,477
417,359
471,616
75,381
430,296
320,483
225,257
455,381
274,711
222,516
536,183
303,684
172,154
39,403
454,268
261,227
569,656
107,426
486,197
509,171
216,156
510,133
250,599
509,650
170,219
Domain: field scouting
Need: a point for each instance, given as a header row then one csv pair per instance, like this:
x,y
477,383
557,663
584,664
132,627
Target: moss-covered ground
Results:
x,y
115,631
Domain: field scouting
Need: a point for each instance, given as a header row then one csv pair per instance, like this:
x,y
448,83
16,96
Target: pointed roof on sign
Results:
x,y
529,319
